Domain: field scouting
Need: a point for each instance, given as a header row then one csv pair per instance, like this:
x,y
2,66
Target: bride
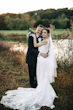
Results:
x,y
44,94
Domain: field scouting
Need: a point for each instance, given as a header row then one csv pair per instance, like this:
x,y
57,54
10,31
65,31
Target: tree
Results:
x,y
17,23
46,23
31,13
71,22
25,16
56,23
13,24
3,25
63,16
25,24
63,24
38,22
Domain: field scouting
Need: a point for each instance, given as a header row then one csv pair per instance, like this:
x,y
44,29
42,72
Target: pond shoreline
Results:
x,y
62,50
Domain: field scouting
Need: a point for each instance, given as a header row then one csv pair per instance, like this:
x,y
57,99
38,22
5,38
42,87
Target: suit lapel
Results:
x,y
36,38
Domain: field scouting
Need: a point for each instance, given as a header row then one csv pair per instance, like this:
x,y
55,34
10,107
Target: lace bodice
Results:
x,y
44,48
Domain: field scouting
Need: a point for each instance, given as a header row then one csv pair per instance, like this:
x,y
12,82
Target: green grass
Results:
x,y
14,31
56,31
60,31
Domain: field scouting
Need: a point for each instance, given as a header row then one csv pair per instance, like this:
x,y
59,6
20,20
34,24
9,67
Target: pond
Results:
x,y
63,50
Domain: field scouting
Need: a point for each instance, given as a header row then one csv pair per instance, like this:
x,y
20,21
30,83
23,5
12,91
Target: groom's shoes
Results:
x,y
34,85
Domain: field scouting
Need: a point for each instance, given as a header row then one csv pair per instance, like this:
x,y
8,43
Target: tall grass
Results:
x,y
14,74
4,46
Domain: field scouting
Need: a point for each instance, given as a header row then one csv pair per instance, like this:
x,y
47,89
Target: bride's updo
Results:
x,y
48,31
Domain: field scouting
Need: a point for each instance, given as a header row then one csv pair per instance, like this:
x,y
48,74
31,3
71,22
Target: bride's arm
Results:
x,y
44,42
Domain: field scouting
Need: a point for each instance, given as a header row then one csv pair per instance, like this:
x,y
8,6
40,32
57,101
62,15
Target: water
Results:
x,y
63,50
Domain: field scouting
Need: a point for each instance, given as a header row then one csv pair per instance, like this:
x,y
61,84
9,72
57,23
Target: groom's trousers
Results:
x,y
32,75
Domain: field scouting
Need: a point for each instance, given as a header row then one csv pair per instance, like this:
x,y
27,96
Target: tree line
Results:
x,y
60,18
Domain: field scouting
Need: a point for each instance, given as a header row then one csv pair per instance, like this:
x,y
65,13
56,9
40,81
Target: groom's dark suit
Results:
x,y
31,60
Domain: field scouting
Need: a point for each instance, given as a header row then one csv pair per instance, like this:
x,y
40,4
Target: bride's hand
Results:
x,y
33,35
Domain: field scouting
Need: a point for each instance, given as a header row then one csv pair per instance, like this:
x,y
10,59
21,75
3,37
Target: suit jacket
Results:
x,y
32,53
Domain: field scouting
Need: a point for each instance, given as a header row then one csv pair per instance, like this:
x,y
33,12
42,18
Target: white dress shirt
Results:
x,y
39,39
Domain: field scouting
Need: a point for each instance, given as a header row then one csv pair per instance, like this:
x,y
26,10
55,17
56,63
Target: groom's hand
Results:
x,y
44,55
47,53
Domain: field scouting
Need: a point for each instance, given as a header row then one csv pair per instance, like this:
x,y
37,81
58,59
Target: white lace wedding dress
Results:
x,y
33,98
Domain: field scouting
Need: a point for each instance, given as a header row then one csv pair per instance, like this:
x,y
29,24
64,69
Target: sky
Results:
x,y
22,6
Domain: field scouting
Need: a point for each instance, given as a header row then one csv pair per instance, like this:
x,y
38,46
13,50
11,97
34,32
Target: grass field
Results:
x,y
56,31
60,31
14,31
14,74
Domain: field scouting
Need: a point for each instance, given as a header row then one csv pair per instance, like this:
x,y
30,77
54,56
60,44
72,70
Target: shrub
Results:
x,y
38,22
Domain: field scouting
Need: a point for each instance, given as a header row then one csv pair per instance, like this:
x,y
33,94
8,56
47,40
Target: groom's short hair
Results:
x,y
40,25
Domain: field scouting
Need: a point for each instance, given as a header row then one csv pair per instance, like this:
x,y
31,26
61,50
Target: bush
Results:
x,y
38,22
56,23
25,24
3,37
46,23
17,24
63,24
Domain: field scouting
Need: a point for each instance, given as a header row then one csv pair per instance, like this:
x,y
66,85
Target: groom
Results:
x,y
32,54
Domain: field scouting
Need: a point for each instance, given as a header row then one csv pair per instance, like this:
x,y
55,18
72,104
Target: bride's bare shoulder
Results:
x,y
45,41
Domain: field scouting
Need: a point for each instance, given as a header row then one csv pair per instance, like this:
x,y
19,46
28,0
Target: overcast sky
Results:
x,y
21,6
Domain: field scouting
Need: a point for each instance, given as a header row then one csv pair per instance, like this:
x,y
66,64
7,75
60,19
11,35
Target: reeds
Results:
x,y
63,50
63,45
17,57
4,46
14,72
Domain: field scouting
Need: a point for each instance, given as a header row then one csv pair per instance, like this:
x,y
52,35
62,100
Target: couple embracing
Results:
x,y
42,65
39,52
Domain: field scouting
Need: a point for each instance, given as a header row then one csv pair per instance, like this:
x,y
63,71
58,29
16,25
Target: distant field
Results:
x,y
60,31
14,31
56,31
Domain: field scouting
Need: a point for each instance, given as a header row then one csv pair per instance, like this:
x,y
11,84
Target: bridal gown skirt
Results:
x,y
32,98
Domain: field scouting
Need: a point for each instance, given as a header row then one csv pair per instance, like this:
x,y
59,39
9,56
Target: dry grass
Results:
x,y
19,59
13,69
14,35
14,74
4,46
